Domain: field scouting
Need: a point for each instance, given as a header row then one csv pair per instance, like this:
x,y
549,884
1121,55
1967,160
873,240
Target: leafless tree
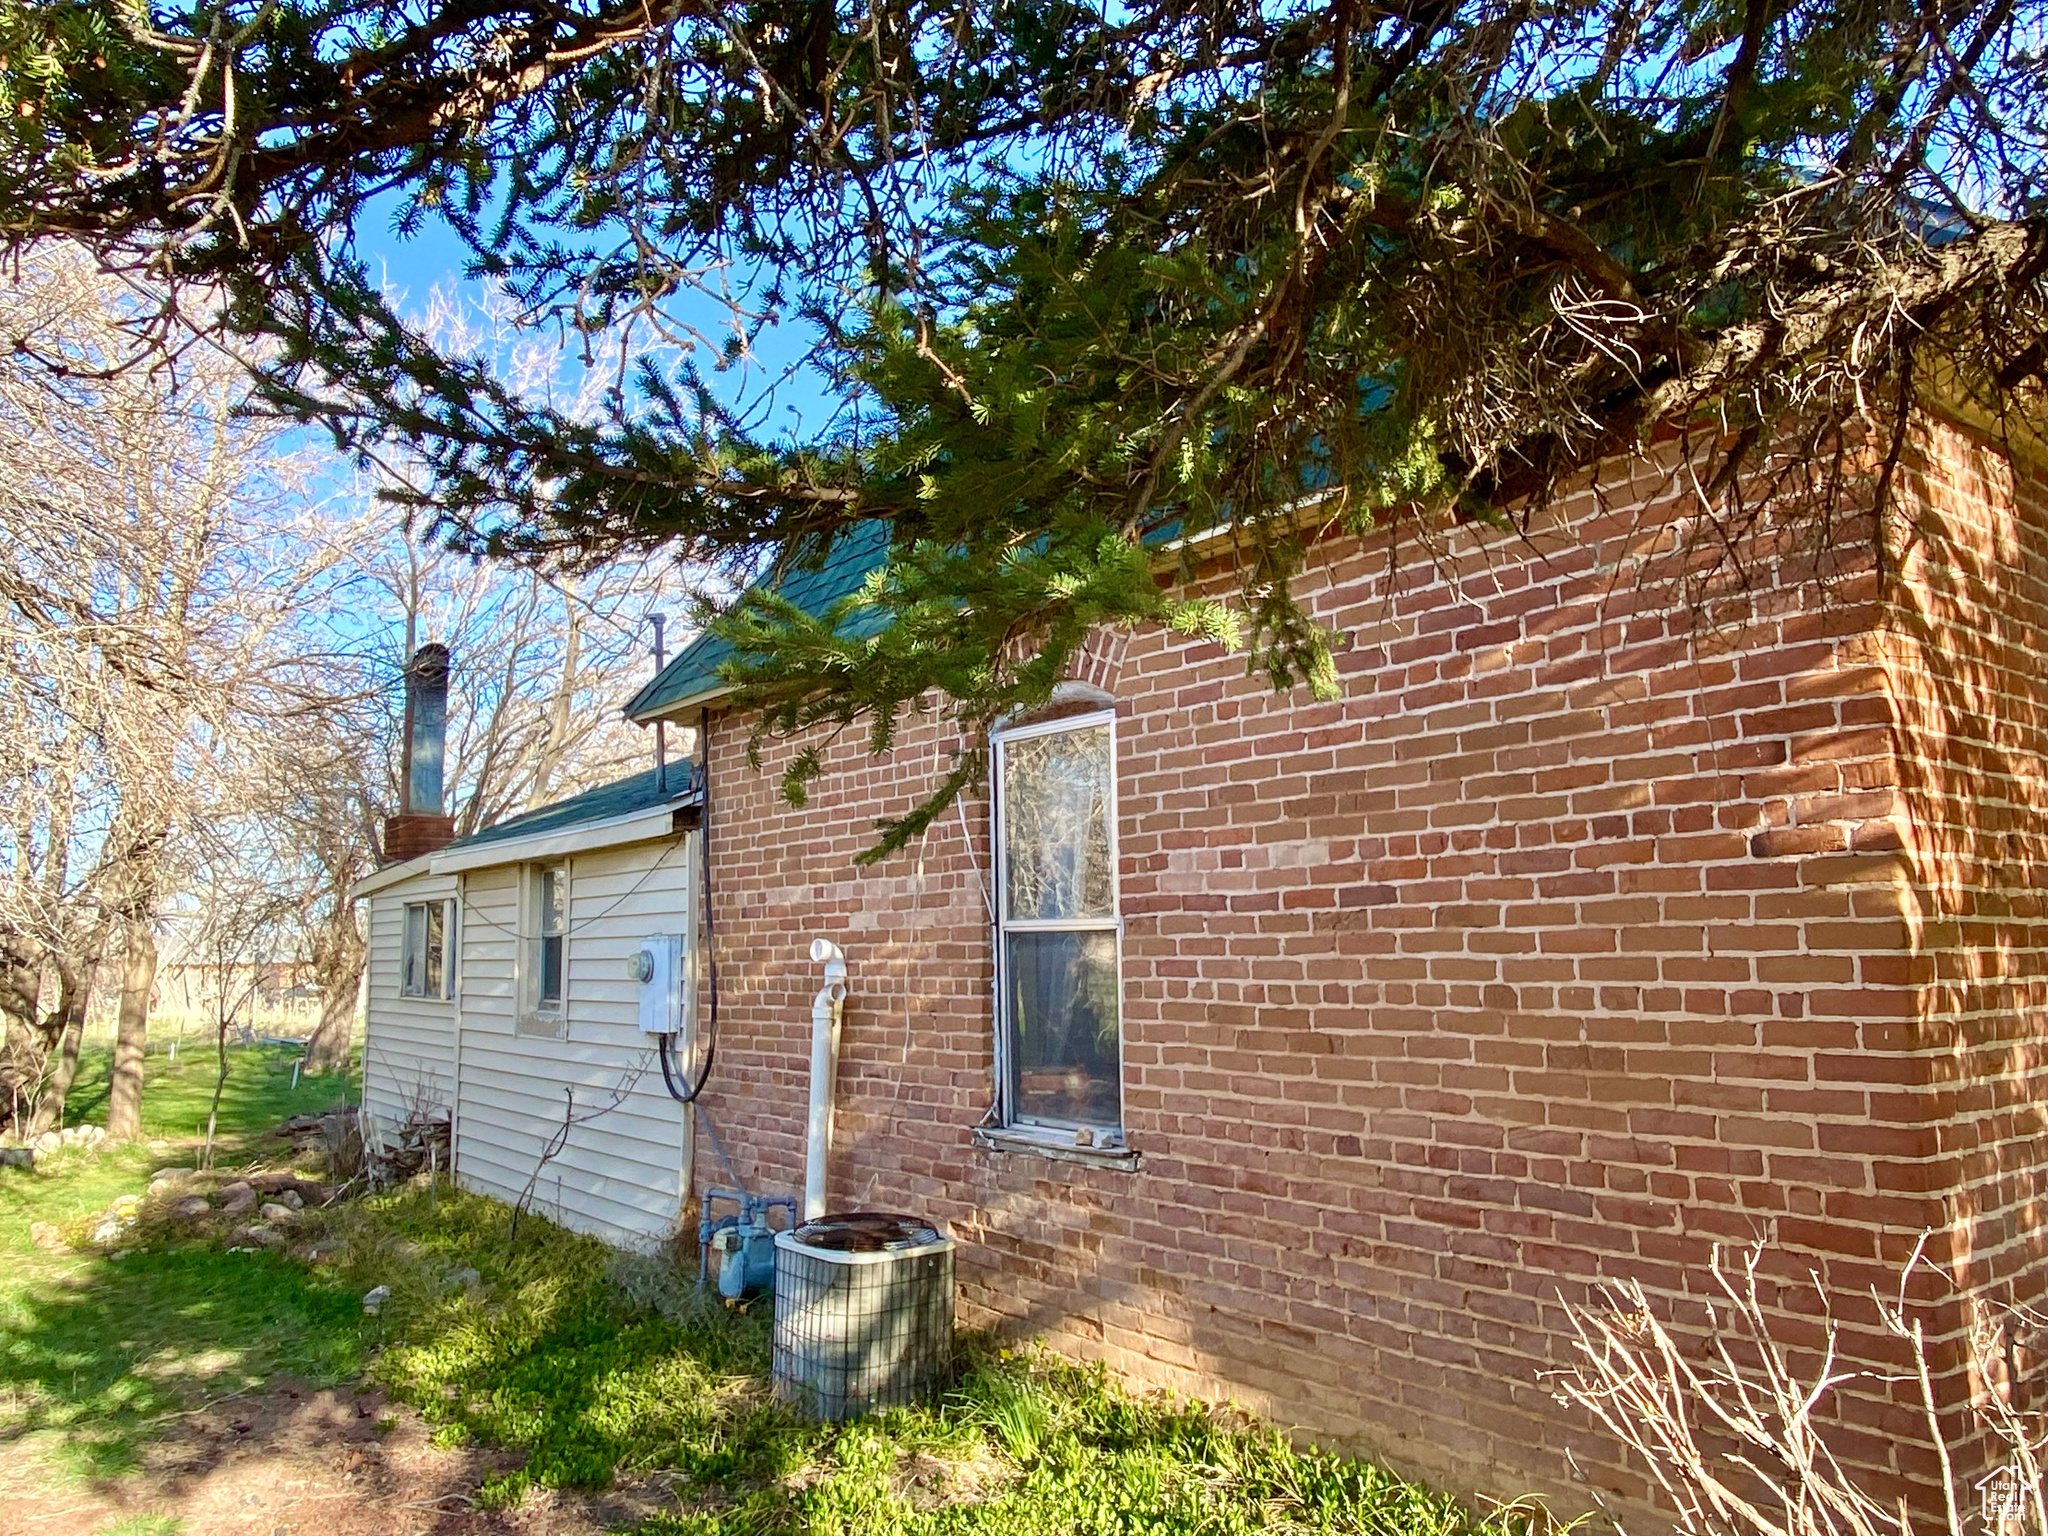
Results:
x,y
540,670
239,918
205,636
1740,1435
149,565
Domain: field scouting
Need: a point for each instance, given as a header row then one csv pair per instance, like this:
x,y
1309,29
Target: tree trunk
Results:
x,y
220,1083
338,970
328,1048
138,976
74,994
50,1108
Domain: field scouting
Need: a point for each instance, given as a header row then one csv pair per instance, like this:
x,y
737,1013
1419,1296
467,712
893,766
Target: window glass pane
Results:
x,y
437,949
552,884
1063,1013
1056,797
415,947
551,969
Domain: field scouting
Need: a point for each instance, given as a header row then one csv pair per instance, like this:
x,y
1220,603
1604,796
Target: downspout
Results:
x,y
826,1010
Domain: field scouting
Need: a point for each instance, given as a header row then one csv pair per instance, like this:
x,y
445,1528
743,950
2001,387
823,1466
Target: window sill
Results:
x,y
1052,1147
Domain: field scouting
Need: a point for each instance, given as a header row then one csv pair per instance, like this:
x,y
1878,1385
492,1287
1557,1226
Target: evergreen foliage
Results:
x,y
1086,278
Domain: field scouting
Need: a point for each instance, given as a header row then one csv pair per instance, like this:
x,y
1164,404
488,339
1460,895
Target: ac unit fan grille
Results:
x,y
855,1337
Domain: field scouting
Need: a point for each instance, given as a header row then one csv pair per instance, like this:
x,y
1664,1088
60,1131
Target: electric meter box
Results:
x,y
664,999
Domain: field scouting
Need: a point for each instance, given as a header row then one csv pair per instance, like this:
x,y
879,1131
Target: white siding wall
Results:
x,y
618,1174
408,1042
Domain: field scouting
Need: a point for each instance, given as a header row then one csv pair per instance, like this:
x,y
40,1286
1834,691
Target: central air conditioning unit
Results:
x,y
863,1314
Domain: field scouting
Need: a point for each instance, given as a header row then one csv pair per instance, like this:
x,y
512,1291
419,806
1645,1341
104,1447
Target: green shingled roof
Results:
x,y
694,673
621,797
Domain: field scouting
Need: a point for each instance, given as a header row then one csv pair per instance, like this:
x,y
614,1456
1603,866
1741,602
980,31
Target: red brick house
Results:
x,y
1306,1054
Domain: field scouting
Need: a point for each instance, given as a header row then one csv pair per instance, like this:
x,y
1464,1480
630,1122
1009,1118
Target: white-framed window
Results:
x,y
1059,1012
428,959
545,964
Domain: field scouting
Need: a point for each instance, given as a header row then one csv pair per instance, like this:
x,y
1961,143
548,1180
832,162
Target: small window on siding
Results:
x,y
547,949
428,959
1060,1015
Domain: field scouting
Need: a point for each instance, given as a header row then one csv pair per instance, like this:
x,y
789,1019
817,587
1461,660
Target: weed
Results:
x,y
547,1354
590,1362
143,1525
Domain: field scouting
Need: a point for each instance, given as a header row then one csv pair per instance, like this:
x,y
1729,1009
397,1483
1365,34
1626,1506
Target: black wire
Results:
x,y
662,1042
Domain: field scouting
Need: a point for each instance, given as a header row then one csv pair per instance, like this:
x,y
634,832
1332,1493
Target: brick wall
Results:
x,y
1967,672
1596,923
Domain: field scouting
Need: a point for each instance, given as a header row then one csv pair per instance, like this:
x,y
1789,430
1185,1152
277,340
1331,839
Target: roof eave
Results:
x,y
648,824
389,875
673,707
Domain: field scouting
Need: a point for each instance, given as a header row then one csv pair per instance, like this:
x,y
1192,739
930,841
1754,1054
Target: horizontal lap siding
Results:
x,y
408,1042
617,1172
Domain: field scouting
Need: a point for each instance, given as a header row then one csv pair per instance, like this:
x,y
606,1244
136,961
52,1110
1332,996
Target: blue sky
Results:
x,y
415,264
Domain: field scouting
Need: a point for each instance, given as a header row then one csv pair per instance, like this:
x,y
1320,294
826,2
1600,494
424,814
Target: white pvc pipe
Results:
x,y
826,1010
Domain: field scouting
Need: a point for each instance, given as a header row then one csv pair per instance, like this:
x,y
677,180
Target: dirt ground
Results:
x,y
296,1462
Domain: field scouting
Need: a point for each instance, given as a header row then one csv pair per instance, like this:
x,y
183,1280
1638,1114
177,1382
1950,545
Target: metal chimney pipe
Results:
x,y
660,728
419,827
426,728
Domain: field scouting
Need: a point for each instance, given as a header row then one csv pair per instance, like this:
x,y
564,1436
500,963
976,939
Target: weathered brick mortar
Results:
x,y
1571,940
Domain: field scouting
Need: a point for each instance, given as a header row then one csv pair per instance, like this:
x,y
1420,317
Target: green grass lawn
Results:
x,y
589,1363
94,1351
258,1095
592,1365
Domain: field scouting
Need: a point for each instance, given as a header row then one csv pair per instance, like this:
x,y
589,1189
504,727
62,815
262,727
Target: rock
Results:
x,y
284,1215
255,1237
17,1157
125,1207
109,1229
373,1300
191,1206
292,1198
48,1142
47,1237
237,1197
287,1187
